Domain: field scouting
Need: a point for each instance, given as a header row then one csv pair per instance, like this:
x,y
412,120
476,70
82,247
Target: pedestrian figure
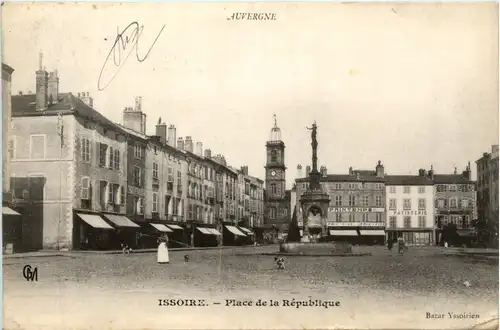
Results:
x,y
389,244
280,262
401,245
445,244
162,256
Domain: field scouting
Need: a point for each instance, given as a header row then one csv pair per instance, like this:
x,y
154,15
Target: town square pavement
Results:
x,y
382,290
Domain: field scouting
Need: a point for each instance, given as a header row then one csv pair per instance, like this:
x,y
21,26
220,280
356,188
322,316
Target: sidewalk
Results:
x,y
76,253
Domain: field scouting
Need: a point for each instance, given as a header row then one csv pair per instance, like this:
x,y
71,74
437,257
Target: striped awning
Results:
x,y
343,232
246,230
214,231
162,228
121,221
174,226
94,220
372,232
204,230
235,231
8,211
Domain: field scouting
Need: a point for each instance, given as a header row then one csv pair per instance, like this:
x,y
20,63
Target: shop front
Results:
x,y
412,237
126,233
233,236
90,231
206,235
361,233
11,229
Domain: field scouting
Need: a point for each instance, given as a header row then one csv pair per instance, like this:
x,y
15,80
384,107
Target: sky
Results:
x,y
407,84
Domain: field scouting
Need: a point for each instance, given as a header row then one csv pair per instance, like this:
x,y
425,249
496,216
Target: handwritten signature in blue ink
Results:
x,y
124,44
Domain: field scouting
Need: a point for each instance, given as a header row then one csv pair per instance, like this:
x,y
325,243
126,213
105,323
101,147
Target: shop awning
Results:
x,y
8,211
301,233
162,228
121,221
204,230
214,231
174,226
343,232
235,231
469,233
372,232
246,230
94,220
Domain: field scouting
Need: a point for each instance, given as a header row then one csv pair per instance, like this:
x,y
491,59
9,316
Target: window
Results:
x,y
352,217
85,192
378,201
407,204
155,171
407,222
338,200
392,189
453,203
139,207
137,176
352,200
441,188
12,147
102,154
453,187
170,172
37,146
273,188
111,163
464,203
338,217
407,189
285,212
112,193
365,217
421,221
338,186
392,204
392,222
116,165
155,203
138,151
85,150
36,186
364,201
421,189
179,177
378,186
421,203
440,203
272,213
274,156
379,217
353,186
122,195
103,188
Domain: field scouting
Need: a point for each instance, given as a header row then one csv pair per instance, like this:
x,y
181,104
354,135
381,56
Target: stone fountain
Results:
x,y
314,203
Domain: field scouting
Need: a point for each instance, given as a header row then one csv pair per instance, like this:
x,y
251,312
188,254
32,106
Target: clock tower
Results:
x,y
277,198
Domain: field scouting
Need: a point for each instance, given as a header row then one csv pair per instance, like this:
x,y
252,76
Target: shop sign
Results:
x,y
355,224
409,212
355,209
136,191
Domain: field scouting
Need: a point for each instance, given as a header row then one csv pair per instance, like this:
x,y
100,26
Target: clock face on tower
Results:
x,y
273,173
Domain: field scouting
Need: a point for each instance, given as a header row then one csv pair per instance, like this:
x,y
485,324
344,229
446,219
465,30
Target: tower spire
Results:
x,y
40,60
275,123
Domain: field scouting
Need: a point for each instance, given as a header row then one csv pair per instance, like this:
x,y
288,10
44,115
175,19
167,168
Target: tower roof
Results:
x,y
275,131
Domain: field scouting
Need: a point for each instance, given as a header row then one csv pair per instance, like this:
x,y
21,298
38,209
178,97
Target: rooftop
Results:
x,y
451,179
408,180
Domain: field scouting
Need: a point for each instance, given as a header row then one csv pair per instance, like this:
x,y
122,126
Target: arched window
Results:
x,y
274,156
273,188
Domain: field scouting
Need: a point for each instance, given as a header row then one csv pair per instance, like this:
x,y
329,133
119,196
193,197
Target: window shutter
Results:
x,y
85,188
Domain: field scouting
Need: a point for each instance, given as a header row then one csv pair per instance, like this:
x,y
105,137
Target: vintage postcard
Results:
x,y
250,165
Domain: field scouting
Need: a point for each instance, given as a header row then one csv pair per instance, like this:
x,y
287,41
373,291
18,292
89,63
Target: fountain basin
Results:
x,y
318,249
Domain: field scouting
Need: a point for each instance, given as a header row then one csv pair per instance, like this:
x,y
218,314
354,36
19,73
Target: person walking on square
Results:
x,y
401,245
162,256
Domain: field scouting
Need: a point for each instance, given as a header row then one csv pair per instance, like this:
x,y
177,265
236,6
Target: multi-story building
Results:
x,y
68,169
410,208
11,225
487,192
454,202
277,197
357,204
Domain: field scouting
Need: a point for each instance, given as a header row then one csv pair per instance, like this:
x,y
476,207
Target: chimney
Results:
x,y
308,170
350,171
134,118
467,173
188,144
53,87
208,153
180,143
161,131
299,171
172,135
357,176
379,170
323,171
41,85
244,170
85,97
199,149
455,171
431,173
421,172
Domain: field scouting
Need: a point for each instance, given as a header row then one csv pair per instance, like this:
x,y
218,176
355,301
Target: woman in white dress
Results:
x,y
162,257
